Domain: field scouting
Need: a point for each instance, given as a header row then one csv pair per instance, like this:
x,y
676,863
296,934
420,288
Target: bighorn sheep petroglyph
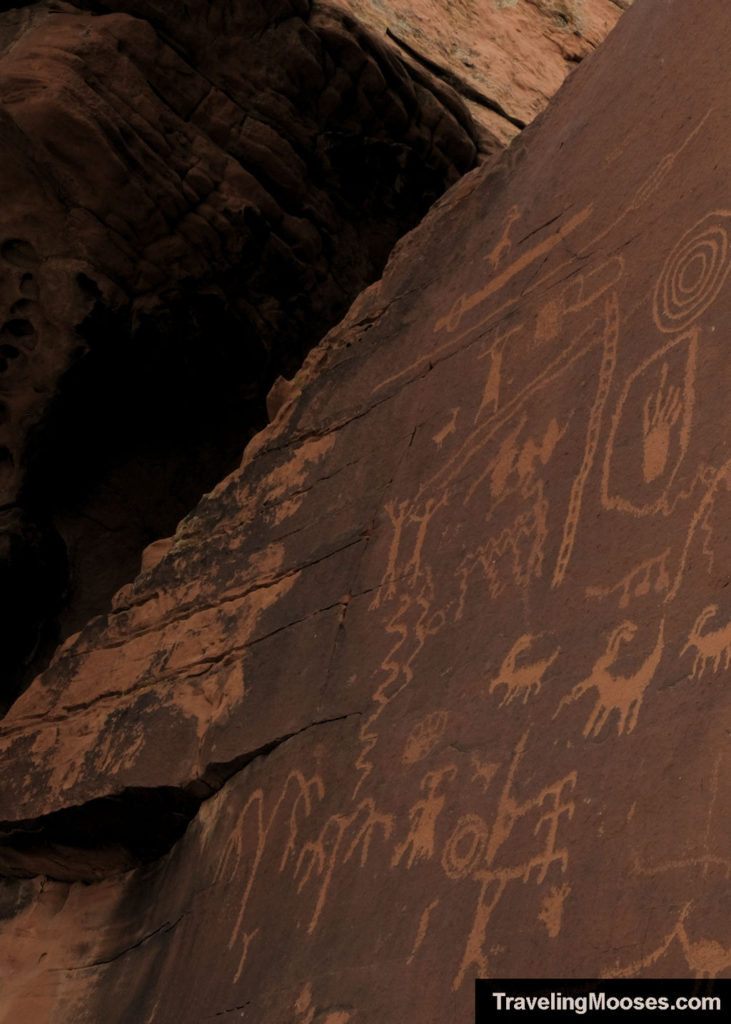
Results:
x,y
711,645
525,679
614,692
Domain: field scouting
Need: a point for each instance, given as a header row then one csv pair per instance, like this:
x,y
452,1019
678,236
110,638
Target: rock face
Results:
x,y
506,58
189,203
435,684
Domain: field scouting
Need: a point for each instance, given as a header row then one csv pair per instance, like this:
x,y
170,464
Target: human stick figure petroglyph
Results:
x,y
302,791
423,818
711,646
319,857
521,681
504,243
623,694
473,849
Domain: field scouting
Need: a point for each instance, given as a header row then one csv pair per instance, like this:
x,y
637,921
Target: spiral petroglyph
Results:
x,y
693,273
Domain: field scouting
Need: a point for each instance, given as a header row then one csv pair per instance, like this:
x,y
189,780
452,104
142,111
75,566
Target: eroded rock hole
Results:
x,y
18,328
19,253
147,421
103,837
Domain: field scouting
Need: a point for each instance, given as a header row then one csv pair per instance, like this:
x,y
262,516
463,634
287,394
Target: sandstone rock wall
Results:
x,y
434,685
191,199
189,203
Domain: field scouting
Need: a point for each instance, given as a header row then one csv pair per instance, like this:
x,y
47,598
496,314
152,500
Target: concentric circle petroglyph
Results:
x,y
466,846
693,273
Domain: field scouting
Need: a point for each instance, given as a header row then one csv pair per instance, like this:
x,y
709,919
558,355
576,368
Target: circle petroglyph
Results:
x,y
424,737
693,273
465,847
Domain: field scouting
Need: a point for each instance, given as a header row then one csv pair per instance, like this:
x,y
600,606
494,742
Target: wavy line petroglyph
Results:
x,y
623,694
713,479
412,623
711,645
524,680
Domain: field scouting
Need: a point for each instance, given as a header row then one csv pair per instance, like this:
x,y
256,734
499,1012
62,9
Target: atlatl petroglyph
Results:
x,y
623,694
466,303
521,681
710,646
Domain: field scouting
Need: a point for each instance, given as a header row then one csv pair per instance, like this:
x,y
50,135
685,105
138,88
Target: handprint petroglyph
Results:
x,y
660,413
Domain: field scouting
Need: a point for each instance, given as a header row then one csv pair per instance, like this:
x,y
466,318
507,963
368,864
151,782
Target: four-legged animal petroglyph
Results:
x,y
706,958
521,681
711,646
619,693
